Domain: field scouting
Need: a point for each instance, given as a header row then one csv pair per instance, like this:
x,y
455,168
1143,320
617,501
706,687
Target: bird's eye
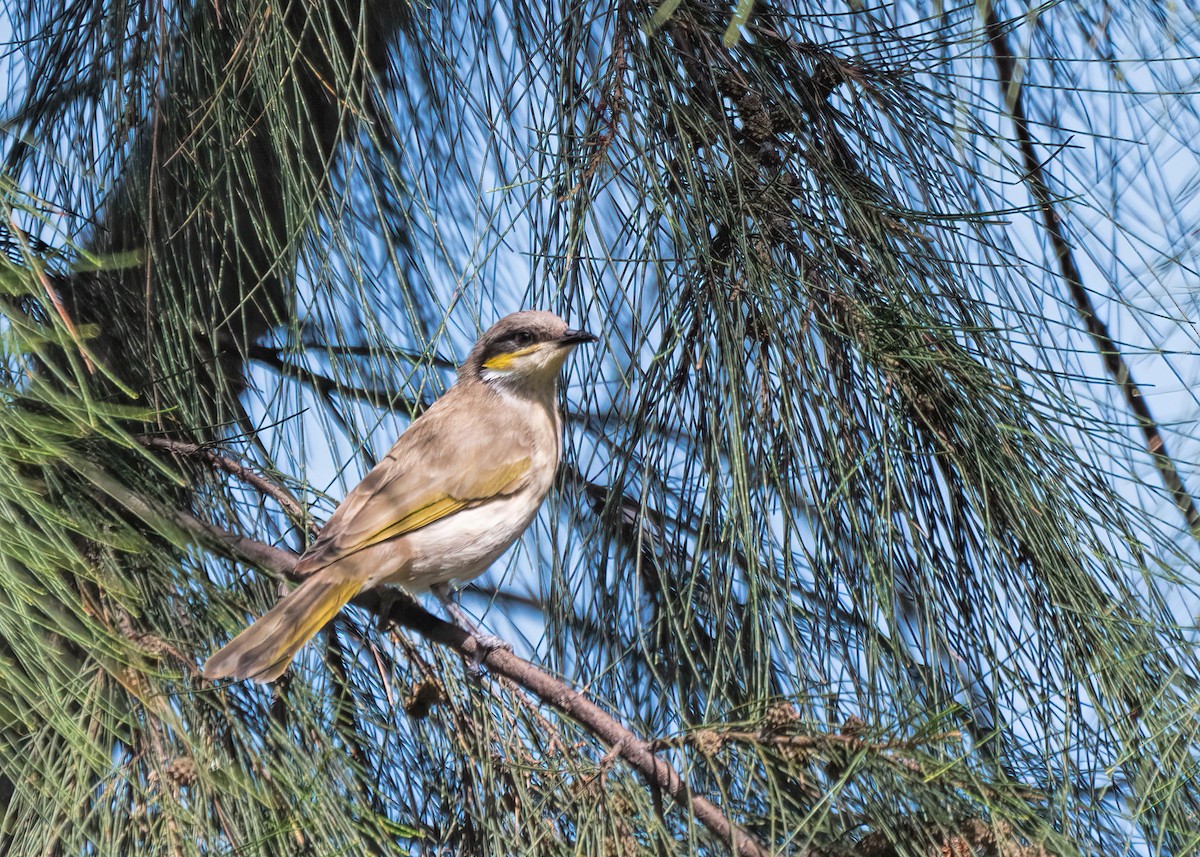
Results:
x,y
522,339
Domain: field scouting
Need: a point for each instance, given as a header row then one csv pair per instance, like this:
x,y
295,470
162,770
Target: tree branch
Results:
x,y
637,752
1110,353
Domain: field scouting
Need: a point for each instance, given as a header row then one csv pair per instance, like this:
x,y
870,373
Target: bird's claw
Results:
x,y
485,644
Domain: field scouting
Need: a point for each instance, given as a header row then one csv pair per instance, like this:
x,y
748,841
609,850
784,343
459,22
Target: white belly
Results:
x,y
461,546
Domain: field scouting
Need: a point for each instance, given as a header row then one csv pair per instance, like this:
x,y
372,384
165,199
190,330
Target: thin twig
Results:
x,y
51,293
376,350
800,741
1114,362
326,386
294,509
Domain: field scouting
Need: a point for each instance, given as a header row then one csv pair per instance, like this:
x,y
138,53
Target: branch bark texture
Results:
x,y
636,751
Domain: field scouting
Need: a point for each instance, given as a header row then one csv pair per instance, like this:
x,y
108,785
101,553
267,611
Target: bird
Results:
x,y
458,487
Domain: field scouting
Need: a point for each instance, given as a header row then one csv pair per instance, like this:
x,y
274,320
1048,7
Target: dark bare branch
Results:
x,y
637,752
1109,351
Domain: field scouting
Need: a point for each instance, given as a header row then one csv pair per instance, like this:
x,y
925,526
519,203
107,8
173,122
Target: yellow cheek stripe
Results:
x,y
502,362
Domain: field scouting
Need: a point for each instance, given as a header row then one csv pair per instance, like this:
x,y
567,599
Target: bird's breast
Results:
x,y
462,546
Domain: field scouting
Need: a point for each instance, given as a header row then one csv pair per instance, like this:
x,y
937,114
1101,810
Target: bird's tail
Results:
x,y
263,651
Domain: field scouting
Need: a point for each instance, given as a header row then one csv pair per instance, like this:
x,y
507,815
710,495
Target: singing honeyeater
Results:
x,y
456,490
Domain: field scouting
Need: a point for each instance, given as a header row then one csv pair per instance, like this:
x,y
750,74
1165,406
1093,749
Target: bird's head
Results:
x,y
523,350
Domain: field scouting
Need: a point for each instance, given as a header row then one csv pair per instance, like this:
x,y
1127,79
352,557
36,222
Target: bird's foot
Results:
x,y
461,619
383,617
484,643
487,643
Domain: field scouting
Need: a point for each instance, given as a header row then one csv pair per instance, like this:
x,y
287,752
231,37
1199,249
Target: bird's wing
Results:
x,y
435,469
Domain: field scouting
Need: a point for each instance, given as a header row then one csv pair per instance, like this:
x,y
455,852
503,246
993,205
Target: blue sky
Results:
x,y
483,238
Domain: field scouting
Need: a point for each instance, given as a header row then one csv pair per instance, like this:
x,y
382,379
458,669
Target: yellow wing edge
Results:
x,y
497,483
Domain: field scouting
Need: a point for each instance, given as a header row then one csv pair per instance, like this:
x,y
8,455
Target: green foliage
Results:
x,y
849,525
109,743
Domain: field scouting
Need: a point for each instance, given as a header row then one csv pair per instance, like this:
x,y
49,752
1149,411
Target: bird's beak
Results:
x,y
576,337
